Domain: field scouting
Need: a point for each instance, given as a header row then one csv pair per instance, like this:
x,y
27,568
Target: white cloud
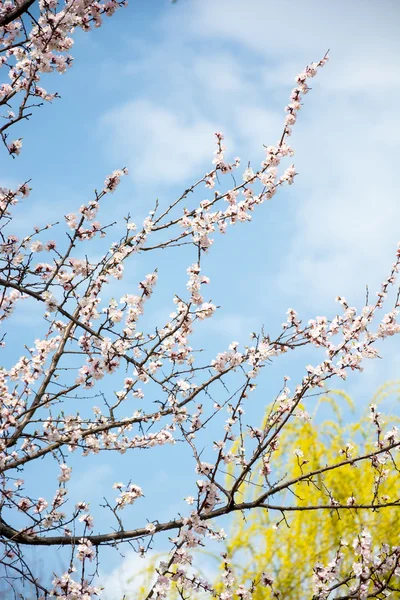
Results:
x,y
230,327
89,483
223,73
256,125
234,63
287,26
127,579
344,225
162,145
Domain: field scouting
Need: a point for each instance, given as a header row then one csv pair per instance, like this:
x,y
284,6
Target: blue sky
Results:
x,y
147,91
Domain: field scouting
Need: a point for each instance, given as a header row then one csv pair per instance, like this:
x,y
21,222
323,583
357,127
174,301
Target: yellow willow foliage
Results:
x,y
289,545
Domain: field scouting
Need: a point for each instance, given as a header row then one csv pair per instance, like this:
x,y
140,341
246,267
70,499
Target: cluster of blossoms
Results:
x,y
112,181
66,587
372,571
128,495
85,550
33,46
202,222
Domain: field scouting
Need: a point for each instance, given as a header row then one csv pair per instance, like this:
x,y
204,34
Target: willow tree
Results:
x,y
301,540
